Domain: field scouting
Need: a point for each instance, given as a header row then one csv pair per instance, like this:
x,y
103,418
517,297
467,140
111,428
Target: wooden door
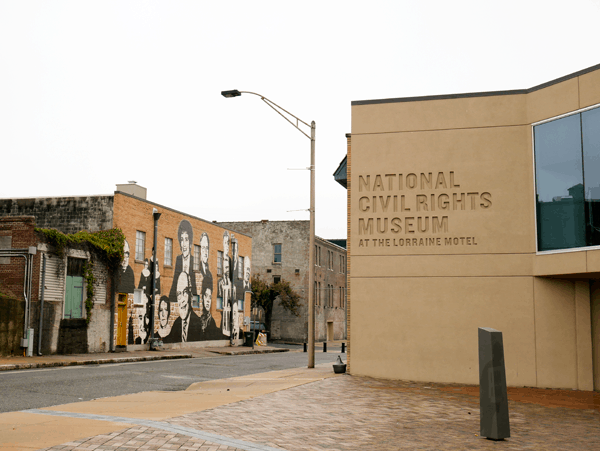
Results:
x,y
122,321
74,288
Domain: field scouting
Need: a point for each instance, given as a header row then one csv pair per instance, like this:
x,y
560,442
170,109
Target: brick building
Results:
x,y
280,251
201,290
22,297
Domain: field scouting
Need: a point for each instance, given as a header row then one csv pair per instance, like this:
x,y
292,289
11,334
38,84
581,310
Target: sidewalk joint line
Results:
x,y
190,432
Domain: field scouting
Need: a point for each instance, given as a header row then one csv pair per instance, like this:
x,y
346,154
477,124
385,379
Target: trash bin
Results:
x,y
248,338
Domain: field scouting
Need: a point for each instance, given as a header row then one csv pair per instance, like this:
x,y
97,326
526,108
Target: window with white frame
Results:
x,y
220,263
140,245
168,252
137,297
196,257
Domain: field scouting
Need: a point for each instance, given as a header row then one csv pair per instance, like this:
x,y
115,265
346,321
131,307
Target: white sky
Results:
x,y
95,93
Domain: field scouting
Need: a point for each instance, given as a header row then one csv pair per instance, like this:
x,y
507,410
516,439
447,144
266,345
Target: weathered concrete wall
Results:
x,y
50,326
12,313
98,332
330,276
67,214
294,236
72,338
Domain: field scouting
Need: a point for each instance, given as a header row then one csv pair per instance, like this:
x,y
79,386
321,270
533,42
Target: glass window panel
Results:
x,y
140,244
277,253
559,183
196,257
168,252
590,125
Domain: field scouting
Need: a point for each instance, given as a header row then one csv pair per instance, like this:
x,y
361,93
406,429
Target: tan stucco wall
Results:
x,y
595,313
416,305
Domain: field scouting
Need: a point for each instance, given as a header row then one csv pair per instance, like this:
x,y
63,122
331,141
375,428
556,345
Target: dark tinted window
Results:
x,y
567,163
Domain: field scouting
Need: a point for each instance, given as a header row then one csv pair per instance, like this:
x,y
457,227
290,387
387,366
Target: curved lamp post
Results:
x,y
311,250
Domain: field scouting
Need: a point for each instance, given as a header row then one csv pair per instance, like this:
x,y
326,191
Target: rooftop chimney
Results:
x,y
132,188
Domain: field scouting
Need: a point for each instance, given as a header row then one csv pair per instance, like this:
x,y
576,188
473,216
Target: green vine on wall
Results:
x,y
107,244
88,275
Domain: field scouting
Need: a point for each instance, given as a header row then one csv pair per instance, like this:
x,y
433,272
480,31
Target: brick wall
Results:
x,y
12,279
67,214
12,271
330,276
132,214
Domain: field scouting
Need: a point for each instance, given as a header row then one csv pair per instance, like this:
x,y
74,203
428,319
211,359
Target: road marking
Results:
x,y
178,377
190,432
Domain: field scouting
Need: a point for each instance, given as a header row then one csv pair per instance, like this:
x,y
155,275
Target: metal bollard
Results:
x,y
305,347
343,347
324,346
493,399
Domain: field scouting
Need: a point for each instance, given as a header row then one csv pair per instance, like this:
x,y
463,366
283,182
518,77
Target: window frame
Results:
x,y
220,258
275,253
196,301
533,125
137,297
168,253
138,234
196,248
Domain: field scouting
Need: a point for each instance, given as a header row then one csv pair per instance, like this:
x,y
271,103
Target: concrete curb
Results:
x,y
250,351
25,366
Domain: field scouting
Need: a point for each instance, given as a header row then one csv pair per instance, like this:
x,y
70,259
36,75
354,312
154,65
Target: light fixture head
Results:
x,y
232,93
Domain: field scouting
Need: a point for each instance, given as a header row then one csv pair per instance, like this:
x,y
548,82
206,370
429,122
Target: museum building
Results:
x,y
476,210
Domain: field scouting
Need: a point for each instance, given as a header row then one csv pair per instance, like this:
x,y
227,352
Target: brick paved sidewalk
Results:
x,y
357,413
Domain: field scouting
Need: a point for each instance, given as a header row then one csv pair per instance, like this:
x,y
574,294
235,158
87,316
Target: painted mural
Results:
x,y
195,308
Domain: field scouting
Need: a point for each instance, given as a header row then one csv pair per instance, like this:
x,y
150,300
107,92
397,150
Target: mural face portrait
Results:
x,y
163,312
207,299
125,262
204,249
247,270
226,243
235,320
226,268
184,242
186,236
183,295
234,249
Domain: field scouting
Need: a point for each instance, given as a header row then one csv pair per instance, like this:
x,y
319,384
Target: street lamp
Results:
x,y
311,250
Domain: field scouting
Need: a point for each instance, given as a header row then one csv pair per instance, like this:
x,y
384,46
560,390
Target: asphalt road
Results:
x,y
30,389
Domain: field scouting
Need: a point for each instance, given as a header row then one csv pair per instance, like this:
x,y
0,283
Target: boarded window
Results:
x,y
5,243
